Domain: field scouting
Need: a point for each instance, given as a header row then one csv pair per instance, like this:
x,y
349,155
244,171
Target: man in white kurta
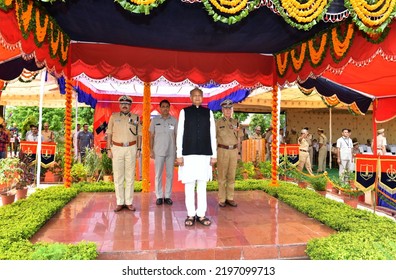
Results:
x,y
196,154
344,153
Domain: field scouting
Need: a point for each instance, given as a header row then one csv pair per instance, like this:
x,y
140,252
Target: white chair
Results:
x,y
369,151
393,149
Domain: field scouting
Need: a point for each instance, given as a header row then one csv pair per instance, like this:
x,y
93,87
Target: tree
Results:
x,y
239,116
25,116
264,120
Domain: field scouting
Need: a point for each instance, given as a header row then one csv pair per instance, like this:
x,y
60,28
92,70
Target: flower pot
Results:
x,y
329,186
107,178
21,193
351,201
7,199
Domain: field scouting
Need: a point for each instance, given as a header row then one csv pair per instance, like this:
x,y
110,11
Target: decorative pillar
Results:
x,y
275,144
146,138
68,133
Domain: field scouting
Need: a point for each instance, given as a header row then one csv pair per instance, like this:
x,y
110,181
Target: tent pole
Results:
x,y
38,151
330,137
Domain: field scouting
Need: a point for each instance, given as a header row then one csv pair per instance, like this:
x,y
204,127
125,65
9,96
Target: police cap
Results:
x,y
226,103
125,99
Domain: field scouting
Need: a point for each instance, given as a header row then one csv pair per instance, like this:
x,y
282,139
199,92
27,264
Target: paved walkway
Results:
x,y
261,227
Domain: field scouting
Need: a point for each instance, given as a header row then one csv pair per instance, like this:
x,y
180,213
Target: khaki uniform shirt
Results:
x,y
304,145
323,141
48,136
124,127
164,131
226,132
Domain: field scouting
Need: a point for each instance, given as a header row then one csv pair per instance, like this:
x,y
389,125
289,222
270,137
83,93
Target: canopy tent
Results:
x,y
25,91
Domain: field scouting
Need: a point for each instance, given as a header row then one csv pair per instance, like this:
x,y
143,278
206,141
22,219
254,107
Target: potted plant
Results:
x,y
92,164
106,165
27,177
318,183
10,174
78,172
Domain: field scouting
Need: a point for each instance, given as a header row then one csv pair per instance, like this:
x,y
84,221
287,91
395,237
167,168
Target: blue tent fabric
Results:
x,y
236,97
175,25
328,88
83,97
12,69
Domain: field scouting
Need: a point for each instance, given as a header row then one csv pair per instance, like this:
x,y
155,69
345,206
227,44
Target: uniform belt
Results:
x,y
230,147
127,144
303,150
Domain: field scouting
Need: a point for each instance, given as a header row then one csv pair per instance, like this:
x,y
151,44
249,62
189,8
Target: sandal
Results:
x,y
204,221
190,221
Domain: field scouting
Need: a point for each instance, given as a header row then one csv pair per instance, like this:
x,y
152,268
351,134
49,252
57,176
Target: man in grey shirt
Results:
x,y
163,150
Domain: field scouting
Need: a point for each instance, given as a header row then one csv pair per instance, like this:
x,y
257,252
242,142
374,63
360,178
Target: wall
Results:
x,y
361,126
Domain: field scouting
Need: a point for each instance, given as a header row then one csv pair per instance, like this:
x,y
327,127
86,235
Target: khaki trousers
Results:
x,y
226,169
304,160
322,159
124,164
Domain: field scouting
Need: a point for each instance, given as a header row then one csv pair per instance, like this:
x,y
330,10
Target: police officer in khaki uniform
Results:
x,y
322,150
124,140
228,136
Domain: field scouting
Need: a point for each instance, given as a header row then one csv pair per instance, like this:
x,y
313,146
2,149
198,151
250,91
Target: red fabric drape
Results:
x,y
101,60
12,36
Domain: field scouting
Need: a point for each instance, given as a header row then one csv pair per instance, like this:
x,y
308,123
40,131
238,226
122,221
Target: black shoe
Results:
x,y
168,201
159,201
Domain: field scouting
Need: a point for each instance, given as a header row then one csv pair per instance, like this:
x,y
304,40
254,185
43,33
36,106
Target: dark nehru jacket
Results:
x,y
196,136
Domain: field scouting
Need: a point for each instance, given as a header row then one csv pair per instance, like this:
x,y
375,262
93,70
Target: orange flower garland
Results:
x,y
317,55
339,47
281,64
41,31
146,138
236,5
142,2
68,133
297,62
274,146
24,16
373,14
304,12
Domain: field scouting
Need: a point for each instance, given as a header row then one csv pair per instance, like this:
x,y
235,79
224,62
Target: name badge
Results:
x,y
171,127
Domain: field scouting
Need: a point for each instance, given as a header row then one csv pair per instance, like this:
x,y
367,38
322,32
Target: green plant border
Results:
x,y
361,235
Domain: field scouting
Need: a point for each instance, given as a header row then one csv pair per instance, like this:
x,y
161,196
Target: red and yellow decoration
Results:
x,y
34,20
341,40
146,138
306,11
274,146
373,14
68,132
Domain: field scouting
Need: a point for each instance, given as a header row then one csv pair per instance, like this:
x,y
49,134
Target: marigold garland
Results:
x,y
298,61
304,12
373,13
41,27
317,56
340,43
274,146
282,64
68,133
235,6
24,15
31,18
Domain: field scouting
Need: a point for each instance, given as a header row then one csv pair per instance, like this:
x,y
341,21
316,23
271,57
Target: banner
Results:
x,y
48,151
366,171
388,174
292,152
